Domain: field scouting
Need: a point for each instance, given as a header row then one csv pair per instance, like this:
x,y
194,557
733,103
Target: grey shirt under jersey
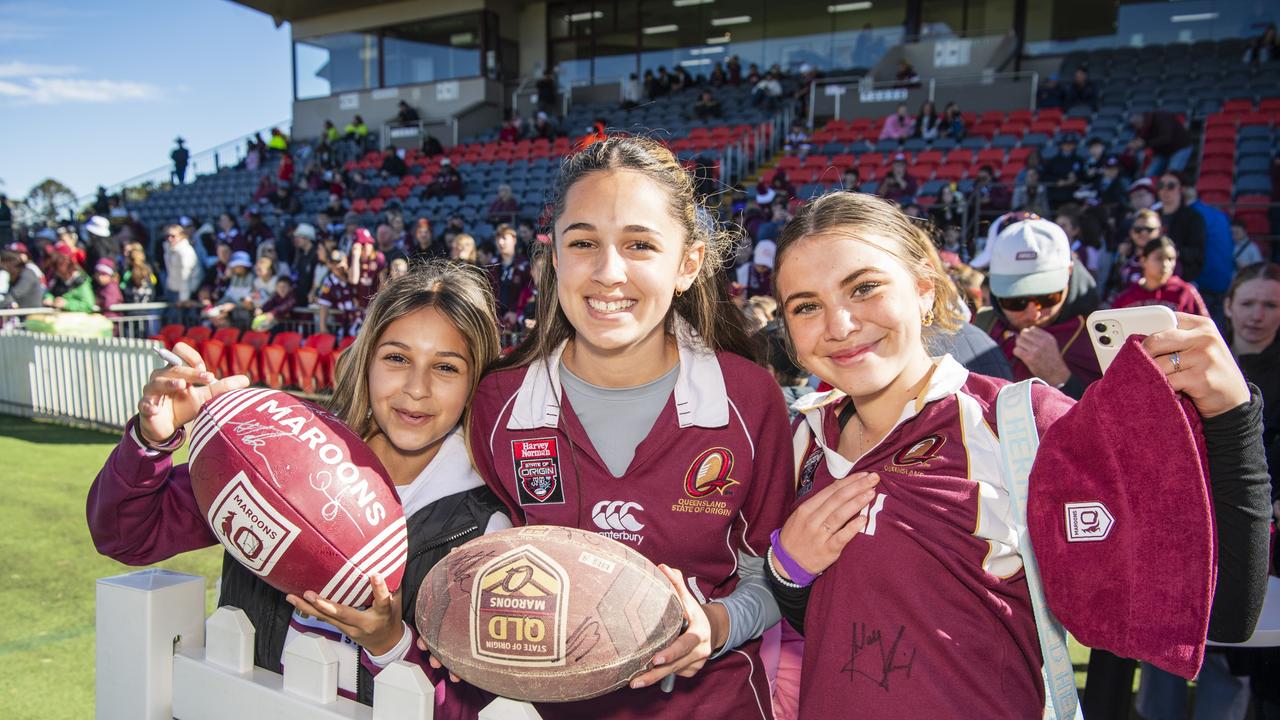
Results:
x,y
616,421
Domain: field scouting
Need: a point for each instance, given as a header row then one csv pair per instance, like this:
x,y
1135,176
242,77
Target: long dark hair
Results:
x,y
705,305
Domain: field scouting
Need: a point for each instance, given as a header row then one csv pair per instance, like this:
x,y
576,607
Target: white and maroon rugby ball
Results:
x,y
296,496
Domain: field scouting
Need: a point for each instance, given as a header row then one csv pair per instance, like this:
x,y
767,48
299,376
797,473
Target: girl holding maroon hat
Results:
x,y
901,563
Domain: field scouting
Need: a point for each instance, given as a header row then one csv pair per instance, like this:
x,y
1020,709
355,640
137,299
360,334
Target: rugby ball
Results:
x,y
547,614
295,496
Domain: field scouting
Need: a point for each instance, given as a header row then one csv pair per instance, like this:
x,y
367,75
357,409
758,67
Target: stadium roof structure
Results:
x,y
283,11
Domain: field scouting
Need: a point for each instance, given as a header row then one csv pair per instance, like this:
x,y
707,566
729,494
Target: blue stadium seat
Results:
x,y
1253,185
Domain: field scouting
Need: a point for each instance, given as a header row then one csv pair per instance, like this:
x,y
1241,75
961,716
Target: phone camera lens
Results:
x,y
1100,327
1105,340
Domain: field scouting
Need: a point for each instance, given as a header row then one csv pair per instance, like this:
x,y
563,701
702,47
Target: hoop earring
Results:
x,y
928,318
679,293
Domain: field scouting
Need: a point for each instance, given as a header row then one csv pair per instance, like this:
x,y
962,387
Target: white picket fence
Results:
x,y
85,381
158,657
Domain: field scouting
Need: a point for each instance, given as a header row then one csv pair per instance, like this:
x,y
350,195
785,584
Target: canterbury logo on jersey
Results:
x,y
710,473
616,515
617,520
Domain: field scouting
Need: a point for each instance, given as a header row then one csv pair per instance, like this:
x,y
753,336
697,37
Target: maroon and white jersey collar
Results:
x,y
700,395
947,378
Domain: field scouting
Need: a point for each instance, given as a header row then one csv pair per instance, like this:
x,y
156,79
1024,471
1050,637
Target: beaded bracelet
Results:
x,y
776,576
794,569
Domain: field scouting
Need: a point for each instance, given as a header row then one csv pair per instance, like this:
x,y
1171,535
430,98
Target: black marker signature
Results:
x,y
462,562
877,670
583,640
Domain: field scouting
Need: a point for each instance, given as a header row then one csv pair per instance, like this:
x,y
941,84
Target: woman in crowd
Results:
x,y
403,387
1128,263
644,388
70,289
928,122
106,286
898,126
901,563
1158,285
463,249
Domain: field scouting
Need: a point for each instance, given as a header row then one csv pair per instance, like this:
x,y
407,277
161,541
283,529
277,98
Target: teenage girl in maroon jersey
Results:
x,y
921,607
633,410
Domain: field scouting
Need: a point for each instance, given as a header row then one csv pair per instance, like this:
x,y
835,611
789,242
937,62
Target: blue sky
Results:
x,y
94,93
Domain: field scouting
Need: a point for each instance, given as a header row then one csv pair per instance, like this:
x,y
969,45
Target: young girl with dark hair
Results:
x,y
1158,285
403,386
634,409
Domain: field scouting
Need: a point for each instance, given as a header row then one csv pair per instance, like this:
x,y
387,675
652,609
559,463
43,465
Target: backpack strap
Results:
x,y
1019,441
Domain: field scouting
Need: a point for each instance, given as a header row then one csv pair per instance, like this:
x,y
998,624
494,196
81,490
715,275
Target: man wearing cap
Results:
x,y
1062,172
102,242
179,156
304,261
447,181
1108,187
898,186
1142,194
1041,296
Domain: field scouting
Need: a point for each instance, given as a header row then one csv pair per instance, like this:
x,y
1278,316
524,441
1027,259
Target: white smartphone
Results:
x,y
1108,329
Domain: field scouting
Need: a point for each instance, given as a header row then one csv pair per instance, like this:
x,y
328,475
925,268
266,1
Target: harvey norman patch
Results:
x,y
537,468
519,600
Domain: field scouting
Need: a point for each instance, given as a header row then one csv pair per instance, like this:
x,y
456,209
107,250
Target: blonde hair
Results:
x,y
460,292
705,305
1148,213
766,305
470,257
860,215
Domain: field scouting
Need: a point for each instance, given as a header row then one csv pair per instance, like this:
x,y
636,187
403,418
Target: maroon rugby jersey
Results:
x,y
711,479
926,613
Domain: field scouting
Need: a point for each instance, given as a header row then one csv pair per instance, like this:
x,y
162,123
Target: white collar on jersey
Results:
x,y
947,377
448,473
700,394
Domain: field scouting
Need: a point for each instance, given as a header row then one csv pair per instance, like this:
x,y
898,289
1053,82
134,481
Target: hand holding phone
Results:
x,y
1108,329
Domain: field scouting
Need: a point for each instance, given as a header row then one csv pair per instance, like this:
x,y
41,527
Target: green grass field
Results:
x,y
49,566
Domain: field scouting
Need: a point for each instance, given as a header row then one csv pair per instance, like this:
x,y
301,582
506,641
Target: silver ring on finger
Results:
x,y
1176,359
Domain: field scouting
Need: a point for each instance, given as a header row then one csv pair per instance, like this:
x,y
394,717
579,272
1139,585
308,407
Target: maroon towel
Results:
x,y
1121,520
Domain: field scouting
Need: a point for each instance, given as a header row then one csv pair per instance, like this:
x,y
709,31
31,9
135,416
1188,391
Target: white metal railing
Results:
x,y
157,657
90,381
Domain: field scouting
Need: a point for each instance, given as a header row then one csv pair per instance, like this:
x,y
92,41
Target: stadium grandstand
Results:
x,y
425,130
418,123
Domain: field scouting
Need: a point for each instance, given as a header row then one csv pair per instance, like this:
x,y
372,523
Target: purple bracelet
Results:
x,y
798,574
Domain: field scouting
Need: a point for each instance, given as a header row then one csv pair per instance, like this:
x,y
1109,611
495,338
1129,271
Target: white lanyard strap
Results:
x,y
1015,421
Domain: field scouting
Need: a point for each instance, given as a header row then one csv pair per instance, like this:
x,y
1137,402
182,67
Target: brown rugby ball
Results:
x,y
547,614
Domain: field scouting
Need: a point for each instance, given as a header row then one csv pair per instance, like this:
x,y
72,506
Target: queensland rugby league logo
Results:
x,y
518,605
709,473
921,452
537,468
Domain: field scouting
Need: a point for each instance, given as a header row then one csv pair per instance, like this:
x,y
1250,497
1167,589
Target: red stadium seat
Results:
x,y
1255,119
213,353
1217,164
962,156
1238,105
1271,105
169,334
243,361
951,171
1054,114
306,362
323,344
199,334
990,156
272,366
1211,183
1215,197
929,157
227,335
920,171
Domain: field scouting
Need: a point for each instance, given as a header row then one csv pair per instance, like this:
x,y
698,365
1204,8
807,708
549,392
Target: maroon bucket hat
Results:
x,y
1121,520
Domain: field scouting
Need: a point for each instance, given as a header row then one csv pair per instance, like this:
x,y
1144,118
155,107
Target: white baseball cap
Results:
x,y
1030,257
764,253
